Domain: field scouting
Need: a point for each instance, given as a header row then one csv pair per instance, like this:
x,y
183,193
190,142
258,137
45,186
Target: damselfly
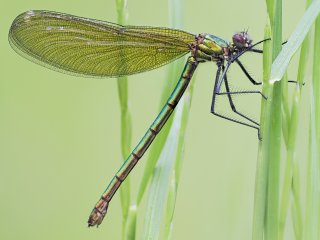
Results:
x,y
88,47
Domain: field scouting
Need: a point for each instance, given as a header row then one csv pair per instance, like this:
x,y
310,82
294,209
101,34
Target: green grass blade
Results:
x,y
268,167
270,9
157,146
273,138
273,116
175,176
312,219
285,109
175,15
316,125
260,194
160,184
173,73
171,201
163,188
313,199
296,205
291,181
131,223
126,126
281,63
316,84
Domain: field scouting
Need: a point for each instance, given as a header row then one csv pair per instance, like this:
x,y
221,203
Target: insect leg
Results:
x,y
216,92
232,105
254,82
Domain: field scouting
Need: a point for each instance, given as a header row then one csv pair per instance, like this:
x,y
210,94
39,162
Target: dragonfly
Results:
x,y
88,47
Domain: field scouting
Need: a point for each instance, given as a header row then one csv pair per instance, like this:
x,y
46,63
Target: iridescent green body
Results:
x,y
100,209
89,47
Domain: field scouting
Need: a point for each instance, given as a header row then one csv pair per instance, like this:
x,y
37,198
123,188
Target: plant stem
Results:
x,y
291,147
126,127
312,221
260,194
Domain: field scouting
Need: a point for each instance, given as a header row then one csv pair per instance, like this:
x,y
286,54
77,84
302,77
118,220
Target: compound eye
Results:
x,y
242,40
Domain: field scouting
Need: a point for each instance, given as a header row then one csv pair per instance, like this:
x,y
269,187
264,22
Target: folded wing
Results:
x,y
82,46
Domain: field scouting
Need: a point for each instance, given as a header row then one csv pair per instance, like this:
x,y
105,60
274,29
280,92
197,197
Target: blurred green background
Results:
x,y
60,136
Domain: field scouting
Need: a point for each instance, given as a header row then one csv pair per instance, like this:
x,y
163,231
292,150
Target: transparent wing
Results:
x,y
82,46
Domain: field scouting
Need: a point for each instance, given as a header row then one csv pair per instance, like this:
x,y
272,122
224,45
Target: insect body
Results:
x,y
88,47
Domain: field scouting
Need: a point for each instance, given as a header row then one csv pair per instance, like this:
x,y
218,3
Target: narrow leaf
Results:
x,y
281,63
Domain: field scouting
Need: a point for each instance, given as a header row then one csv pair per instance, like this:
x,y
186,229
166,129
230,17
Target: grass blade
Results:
x,y
272,139
291,181
268,167
174,71
175,176
312,218
160,183
164,185
281,63
126,127
260,194
271,120
131,223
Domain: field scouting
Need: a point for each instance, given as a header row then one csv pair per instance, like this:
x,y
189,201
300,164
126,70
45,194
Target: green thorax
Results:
x,y
212,47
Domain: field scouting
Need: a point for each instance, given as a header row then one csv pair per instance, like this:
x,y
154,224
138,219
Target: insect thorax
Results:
x,y
211,48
